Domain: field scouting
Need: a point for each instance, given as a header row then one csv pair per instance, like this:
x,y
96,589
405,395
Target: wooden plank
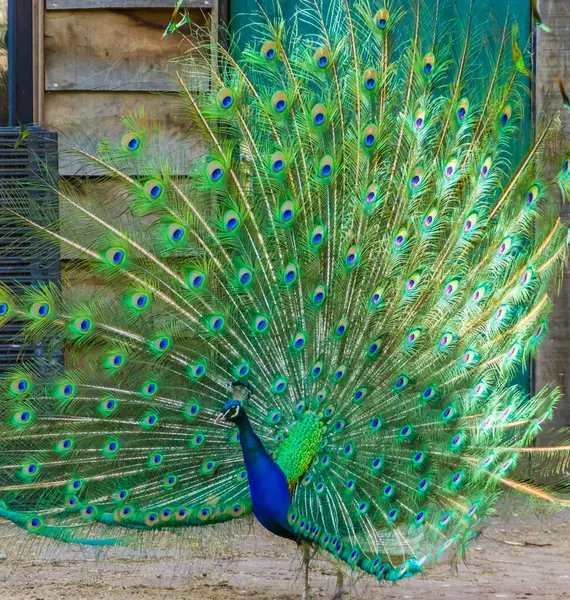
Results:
x,y
553,60
97,4
119,50
83,118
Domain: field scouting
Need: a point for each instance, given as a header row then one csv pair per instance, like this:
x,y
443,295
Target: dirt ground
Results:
x,y
520,557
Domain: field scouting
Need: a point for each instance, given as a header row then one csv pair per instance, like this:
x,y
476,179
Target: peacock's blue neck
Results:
x,y
267,482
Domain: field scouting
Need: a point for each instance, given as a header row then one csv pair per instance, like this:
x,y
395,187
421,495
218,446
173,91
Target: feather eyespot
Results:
x,y
215,171
412,337
352,256
115,256
416,179
369,137
290,274
319,115
462,109
505,246
40,310
191,411
469,359
197,370
274,416
20,386
153,189
566,166
182,514
317,369
450,288
430,218
317,236
161,344
299,341
527,276
450,168
226,98
401,383
486,167
287,212
278,163
326,166
34,524
140,301
30,470
532,196
377,464
280,102
269,51
478,294
24,417
429,63
107,407
322,395
339,373
375,347
215,323
412,283
359,395
370,79
82,325
506,115
470,223
400,238
176,233
341,328
371,194
231,221
244,276
115,361
381,19
196,279
260,324
419,120
322,58
376,298
429,393
319,295
376,423
279,385
131,142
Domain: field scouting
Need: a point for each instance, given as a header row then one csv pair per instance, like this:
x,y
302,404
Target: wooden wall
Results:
x,y
553,60
99,60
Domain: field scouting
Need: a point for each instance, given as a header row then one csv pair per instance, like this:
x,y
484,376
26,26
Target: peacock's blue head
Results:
x,y
233,409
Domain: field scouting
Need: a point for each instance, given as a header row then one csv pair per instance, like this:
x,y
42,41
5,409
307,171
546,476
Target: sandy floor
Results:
x,y
520,558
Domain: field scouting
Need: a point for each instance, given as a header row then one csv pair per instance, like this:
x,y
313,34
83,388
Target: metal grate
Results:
x,y
20,171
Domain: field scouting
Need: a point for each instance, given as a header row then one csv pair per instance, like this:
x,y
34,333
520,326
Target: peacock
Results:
x,y
320,319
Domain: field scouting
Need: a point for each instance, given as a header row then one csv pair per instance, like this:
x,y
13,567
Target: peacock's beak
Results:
x,y
227,414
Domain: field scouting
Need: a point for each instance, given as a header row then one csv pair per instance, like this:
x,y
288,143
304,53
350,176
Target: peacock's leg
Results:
x,y
339,592
306,565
